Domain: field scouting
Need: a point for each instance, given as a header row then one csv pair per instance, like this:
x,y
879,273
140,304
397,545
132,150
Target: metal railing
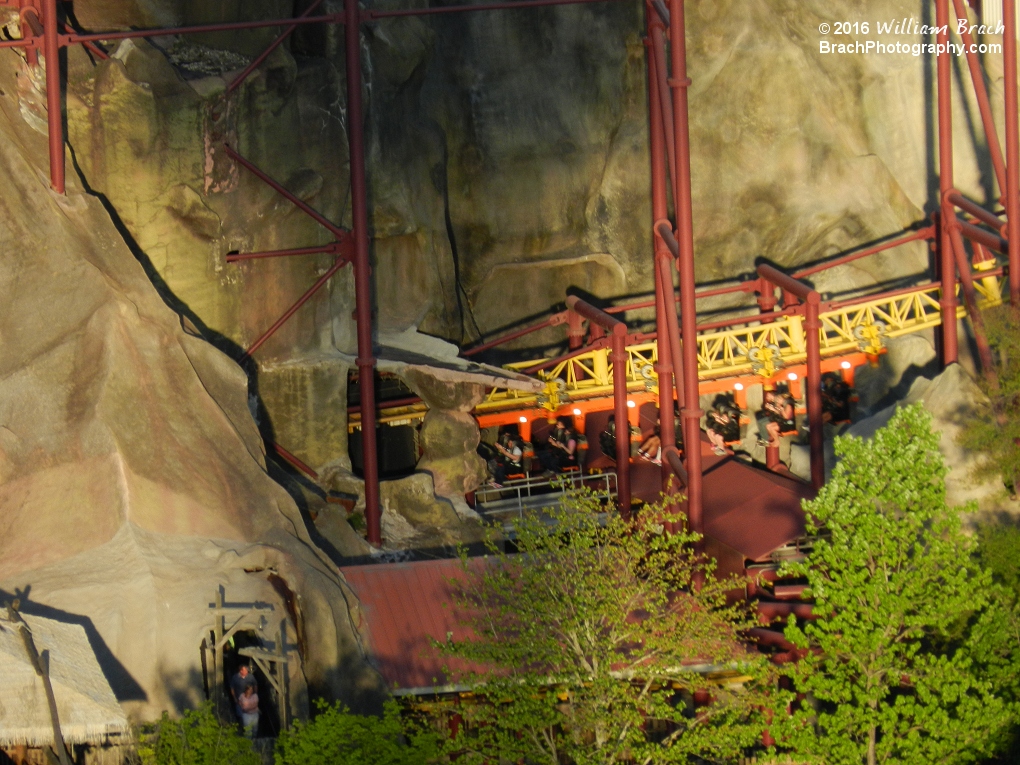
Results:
x,y
536,492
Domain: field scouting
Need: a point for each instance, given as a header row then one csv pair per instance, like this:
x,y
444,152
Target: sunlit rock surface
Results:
x,y
133,482
507,162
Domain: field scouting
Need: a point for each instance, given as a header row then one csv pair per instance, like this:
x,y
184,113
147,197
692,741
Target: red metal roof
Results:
x,y
404,606
752,510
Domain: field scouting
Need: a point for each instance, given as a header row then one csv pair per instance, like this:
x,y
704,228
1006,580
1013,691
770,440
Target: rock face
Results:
x,y
507,159
951,397
133,483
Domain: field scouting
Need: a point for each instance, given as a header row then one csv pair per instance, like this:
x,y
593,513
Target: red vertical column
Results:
x,y
54,117
691,413
947,266
657,141
1012,149
619,351
362,284
812,326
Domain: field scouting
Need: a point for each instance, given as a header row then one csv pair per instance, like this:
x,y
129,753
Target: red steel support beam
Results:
x,y
977,321
1012,148
372,15
812,327
657,143
337,231
979,235
660,78
334,248
54,116
511,336
236,82
618,334
981,94
984,216
676,357
340,263
928,232
230,26
288,457
691,413
947,266
362,275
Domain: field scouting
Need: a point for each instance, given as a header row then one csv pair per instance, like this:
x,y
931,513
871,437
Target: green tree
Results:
x,y
996,634
596,643
996,428
198,738
336,736
890,663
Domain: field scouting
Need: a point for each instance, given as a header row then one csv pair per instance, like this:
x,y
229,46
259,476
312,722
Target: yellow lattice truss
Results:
x,y
755,348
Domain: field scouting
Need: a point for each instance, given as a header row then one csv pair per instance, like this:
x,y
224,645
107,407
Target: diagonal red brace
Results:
x,y
340,263
315,215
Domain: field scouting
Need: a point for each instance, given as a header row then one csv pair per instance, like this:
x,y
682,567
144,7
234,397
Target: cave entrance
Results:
x,y
396,442
246,648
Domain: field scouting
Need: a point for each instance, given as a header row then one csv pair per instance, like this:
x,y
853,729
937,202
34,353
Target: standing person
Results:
x,y
243,688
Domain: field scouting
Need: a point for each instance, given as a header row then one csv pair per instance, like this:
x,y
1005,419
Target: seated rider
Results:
x,y
509,458
836,395
775,417
561,449
651,447
723,424
607,438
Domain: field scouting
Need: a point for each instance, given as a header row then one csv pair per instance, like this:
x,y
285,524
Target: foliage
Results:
x,y
890,662
198,738
592,637
336,736
996,636
996,429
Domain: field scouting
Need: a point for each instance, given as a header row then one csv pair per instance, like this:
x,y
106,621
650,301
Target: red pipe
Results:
x,y
575,331
672,456
657,143
812,327
771,610
985,216
618,332
981,93
294,461
950,351
54,117
979,235
1012,148
925,233
232,26
672,321
337,265
236,82
339,233
770,638
334,248
970,296
512,336
362,274
691,413
665,103
371,15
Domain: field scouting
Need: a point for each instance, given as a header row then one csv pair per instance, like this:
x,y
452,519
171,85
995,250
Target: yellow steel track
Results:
x,y
752,349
